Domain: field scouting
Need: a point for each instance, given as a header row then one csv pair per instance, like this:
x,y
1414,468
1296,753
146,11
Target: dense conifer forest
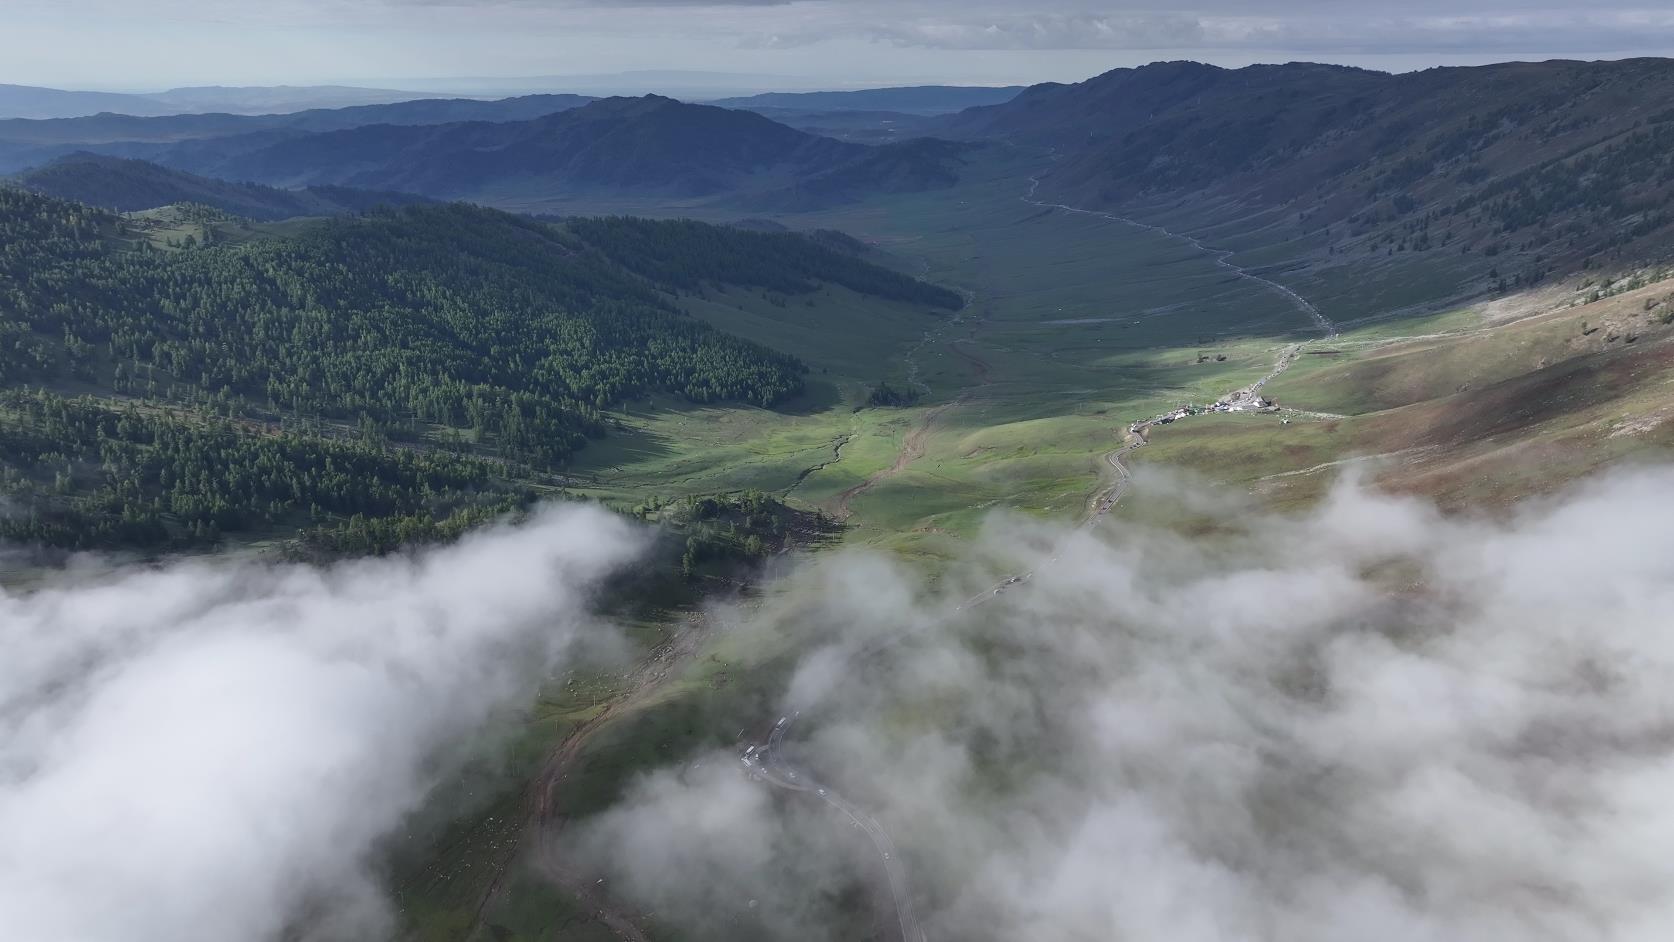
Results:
x,y
78,474
426,317
373,379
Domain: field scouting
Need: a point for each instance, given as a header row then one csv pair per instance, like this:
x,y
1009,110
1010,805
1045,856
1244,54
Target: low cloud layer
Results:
x,y
214,752
1368,722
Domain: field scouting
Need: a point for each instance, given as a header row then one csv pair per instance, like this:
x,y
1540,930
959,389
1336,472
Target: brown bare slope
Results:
x,y
1478,418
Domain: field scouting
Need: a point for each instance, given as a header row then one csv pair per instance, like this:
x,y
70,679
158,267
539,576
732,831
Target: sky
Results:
x,y
149,45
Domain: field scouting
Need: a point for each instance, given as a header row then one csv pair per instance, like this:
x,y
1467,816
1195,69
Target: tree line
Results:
x,y
421,319
364,384
78,474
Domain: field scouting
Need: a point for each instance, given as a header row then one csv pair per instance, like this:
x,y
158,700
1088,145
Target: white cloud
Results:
x,y
213,751
1368,722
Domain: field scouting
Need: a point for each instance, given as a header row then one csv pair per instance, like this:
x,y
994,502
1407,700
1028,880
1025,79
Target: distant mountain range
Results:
x,y
913,100
642,146
28,101
27,143
685,84
1539,166
871,116
126,185
648,145
107,127
871,127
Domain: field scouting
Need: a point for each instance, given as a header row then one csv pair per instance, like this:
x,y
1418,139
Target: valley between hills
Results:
x,y
931,377
1030,395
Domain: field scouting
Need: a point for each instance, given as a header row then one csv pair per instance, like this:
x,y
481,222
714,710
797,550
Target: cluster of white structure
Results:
x,y
1244,400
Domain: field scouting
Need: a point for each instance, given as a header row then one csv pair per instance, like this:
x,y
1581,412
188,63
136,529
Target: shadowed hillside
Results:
x,y
130,185
407,359
649,146
1543,167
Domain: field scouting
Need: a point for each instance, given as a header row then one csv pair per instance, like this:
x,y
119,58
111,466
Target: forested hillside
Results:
x,y
412,364
81,474
1543,165
129,185
451,317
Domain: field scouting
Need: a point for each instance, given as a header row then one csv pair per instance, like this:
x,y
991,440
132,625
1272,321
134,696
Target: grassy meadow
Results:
x,y
1077,326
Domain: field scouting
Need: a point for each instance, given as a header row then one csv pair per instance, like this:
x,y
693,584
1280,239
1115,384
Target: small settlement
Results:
x,y
1244,400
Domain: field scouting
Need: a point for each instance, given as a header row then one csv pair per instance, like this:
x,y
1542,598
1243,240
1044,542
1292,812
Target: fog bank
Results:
x,y
213,752
1366,722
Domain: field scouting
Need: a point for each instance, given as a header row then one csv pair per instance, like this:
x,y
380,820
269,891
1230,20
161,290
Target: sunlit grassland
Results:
x,y
1079,325
1475,414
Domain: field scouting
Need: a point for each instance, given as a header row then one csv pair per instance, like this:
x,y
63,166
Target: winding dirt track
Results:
x,y
544,824
914,443
770,765
912,448
1220,256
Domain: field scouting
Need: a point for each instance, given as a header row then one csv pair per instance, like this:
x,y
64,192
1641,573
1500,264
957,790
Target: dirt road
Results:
x,y
543,823
767,761
915,442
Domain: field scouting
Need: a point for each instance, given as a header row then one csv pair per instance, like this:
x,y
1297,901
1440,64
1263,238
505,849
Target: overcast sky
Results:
x,y
153,44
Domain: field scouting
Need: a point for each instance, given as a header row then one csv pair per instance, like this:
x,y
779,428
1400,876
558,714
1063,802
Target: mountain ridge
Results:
x,y
34,101
920,100
651,144
109,126
127,185
1540,166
